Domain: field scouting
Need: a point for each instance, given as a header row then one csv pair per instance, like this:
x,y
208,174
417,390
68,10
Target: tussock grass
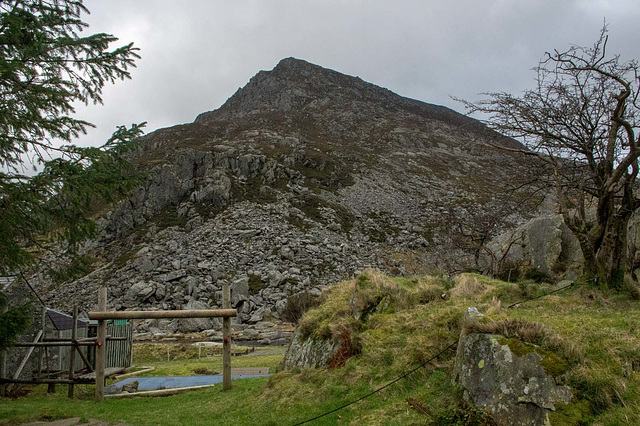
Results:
x,y
530,332
467,285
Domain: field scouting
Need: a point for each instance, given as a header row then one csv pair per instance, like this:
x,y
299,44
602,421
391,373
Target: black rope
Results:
x,y
538,297
32,289
381,388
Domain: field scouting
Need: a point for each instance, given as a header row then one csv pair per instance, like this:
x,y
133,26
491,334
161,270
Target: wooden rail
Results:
x,y
53,344
102,315
196,313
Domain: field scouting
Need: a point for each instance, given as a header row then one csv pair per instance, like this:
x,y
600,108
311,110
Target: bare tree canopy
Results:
x,y
582,118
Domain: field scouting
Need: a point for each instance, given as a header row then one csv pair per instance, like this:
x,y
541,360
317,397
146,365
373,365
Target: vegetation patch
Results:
x,y
78,267
324,172
407,321
254,190
467,285
552,364
169,217
297,305
524,337
312,206
124,257
256,284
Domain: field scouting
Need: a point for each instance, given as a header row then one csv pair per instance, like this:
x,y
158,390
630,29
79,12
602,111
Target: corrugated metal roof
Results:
x,y
62,321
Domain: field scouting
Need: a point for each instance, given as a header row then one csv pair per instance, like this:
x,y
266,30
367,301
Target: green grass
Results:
x,y
590,338
189,367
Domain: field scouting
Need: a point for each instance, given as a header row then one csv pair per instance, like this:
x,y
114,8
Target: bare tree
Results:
x,y
582,119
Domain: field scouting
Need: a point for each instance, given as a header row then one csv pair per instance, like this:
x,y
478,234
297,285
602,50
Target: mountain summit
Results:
x,y
296,85
303,177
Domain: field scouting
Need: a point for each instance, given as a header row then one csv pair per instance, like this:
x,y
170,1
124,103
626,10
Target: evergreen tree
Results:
x,y
13,321
46,65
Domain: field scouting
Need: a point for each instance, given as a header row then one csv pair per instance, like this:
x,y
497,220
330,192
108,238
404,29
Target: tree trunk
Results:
x,y
604,247
612,255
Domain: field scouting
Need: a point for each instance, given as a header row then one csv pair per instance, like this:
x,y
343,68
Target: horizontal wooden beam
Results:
x,y
83,340
159,392
196,313
38,382
53,344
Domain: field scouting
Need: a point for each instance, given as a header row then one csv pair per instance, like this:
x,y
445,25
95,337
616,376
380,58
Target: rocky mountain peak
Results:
x,y
297,86
290,86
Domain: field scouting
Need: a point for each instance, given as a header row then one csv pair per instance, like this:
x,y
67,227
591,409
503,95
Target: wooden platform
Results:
x,y
249,371
91,377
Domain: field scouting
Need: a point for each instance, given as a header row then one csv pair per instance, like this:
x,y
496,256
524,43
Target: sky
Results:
x,y
195,54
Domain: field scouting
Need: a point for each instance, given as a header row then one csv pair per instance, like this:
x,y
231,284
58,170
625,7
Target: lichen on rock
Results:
x,y
513,389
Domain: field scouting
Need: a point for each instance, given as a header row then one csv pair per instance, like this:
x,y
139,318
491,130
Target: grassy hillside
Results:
x,y
590,338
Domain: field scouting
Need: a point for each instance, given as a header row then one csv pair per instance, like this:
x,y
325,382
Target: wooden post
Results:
x,y
130,342
3,364
72,350
51,388
43,323
101,349
226,338
3,386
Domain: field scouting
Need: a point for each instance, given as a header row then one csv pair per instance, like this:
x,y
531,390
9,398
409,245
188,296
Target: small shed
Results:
x,y
52,324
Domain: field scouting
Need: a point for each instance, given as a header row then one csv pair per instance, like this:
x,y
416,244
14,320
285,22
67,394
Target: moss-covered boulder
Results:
x,y
308,352
514,385
543,247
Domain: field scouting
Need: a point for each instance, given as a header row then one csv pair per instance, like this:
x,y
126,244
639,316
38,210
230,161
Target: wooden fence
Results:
x,y
120,352
102,315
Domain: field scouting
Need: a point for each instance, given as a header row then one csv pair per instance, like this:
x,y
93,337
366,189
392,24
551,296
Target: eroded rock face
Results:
x,y
545,244
308,353
514,390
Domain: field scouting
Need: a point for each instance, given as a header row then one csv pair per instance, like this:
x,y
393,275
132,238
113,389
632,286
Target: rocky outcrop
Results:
x,y
544,244
129,387
514,390
308,352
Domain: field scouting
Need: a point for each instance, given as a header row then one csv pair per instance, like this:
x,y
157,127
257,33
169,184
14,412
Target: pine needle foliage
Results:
x,y
47,66
13,321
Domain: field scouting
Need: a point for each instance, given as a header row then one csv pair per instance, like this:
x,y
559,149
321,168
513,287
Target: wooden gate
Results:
x,y
120,352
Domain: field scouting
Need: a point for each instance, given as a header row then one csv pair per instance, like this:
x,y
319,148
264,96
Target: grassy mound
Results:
x,y
586,339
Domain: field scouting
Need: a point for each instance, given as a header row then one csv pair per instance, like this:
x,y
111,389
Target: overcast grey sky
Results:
x,y
196,53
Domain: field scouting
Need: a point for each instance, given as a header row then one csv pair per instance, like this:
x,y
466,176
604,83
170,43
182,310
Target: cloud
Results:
x,y
196,54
